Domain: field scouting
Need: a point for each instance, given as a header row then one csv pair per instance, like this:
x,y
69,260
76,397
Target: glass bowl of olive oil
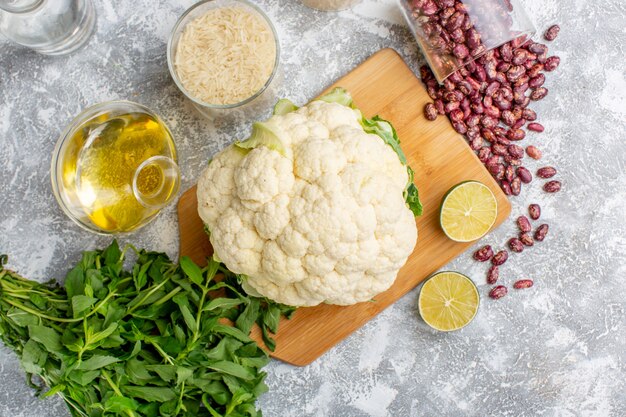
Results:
x,y
114,167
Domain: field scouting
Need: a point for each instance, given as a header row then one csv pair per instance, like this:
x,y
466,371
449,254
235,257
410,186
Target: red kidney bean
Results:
x,y
521,122
488,122
503,66
516,245
500,258
524,175
552,186
536,127
498,149
502,141
509,173
501,77
526,239
539,93
552,63
499,130
512,161
454,95
517,134
472,132
483,254
460,51
540,234
522,88
529,114
506,187
480,74
516,186
456,115
508,118
546,172
492,88
440,107
537,81
477,107
484,154
472,38
523,224
476,143
535,70
498,292
493,112
552,32
451,105
460,127
430,111
534,211
533,152
493,160
490,70
537,48
523,283
519,57
515,151
493,274
472,120
448,84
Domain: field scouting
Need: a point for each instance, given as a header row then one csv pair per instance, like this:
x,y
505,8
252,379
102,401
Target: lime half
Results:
x,y
448,301
468,211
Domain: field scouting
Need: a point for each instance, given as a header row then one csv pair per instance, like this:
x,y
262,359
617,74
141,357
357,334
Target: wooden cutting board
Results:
x,y
441,158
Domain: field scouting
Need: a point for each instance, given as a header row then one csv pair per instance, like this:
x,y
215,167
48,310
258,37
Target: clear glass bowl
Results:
x,y
261,99
50,27
114,167
453,33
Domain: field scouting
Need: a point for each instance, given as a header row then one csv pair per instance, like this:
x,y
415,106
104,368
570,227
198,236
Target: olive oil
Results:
x,y
103,164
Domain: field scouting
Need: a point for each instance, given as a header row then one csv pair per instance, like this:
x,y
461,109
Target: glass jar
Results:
x,y
248,108
452,33
50,27
114,167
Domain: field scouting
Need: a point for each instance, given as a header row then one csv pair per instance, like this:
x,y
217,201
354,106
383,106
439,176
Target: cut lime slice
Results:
x,y
468,211
448,301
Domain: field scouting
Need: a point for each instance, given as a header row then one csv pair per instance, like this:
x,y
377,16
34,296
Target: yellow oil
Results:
x,y
100,164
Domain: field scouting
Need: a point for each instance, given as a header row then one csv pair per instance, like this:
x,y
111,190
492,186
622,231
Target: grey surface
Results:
x,y
558,349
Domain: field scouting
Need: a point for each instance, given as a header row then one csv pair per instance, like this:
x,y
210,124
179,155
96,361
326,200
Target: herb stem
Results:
x,y
116,389
152,291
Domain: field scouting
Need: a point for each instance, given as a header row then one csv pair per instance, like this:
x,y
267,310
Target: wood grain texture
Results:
x,y
382,85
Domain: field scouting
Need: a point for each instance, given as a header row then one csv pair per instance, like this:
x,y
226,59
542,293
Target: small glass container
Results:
x,y
114,167
452,33
330,5
50,27
258,101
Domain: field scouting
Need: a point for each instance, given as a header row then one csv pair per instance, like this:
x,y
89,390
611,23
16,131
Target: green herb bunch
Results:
x,y
155,340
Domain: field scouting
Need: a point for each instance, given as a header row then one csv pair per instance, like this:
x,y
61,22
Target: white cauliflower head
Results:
x,y
315,212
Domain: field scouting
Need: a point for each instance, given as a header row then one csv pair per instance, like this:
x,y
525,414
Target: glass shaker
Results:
x,y
50,27
452,33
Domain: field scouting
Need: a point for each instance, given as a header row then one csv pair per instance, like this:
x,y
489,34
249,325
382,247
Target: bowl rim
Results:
x,y
178,28
86,114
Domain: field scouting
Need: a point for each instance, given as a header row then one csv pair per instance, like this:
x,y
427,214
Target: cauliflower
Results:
x,y
317,206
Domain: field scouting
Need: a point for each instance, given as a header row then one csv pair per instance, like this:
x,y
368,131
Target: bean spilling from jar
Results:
x,y
452,33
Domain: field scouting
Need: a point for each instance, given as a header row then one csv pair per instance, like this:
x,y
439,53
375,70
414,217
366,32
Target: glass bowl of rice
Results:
x,y
224,55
